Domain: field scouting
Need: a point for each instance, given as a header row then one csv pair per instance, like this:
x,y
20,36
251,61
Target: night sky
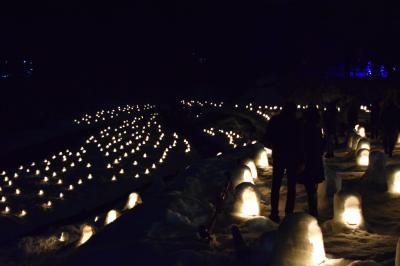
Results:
x,y
177,45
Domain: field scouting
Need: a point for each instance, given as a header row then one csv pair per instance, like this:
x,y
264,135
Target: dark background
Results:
x,y
91,54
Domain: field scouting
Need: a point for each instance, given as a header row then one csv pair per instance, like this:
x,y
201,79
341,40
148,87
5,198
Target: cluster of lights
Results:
x,y
105,115
233,137
133,148
365,108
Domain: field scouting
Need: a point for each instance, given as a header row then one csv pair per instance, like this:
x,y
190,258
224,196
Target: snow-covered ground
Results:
x,y
162,227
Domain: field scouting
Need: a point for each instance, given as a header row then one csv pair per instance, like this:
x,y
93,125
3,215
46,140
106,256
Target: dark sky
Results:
x,y
153,41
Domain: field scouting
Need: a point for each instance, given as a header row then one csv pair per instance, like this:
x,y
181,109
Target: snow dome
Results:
x,y
348,210
361,132
133,200
247,201
363,157
394,180
87,232
240,175
112,215
250,163
261,158
363,143
299,242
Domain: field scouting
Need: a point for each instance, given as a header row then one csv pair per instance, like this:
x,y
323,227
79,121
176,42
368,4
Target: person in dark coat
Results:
x,y
330,128
284,137
390,125
314,168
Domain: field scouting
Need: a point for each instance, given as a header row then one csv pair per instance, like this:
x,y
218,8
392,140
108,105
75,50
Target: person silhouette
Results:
x,y
284,136
314,168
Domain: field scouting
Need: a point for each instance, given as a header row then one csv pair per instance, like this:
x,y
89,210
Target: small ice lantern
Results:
x,y
363,157
247,201
299,242
348,210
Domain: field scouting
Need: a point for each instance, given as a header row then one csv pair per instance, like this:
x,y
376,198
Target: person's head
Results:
x,y
311,115
289,109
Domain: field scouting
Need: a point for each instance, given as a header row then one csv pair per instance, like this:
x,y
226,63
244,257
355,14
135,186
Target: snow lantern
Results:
x,y
299,242
87,232
247,201
361,132
375,175
250,163
240,175
355,141
261,158
363,157
112,215
363,143
348,210
133,200
394,181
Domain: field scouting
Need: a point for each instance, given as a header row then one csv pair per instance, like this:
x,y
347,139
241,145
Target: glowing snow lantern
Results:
x,y
361,132
41,192
59,182
122,171
3,199
363,143
62,237
347,210
90,176
80,182
247,202
112,215
114,178
45,179
240,175
135,163
147,171
87,233
261,159
300,242
6,210
250,163
17,191
22,213
71,187
61,195
133,199
394,182
363,157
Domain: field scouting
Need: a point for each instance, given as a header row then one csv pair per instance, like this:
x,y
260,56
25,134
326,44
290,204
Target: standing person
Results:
x,y
330,128
284,137
314,167
390,123
374,121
